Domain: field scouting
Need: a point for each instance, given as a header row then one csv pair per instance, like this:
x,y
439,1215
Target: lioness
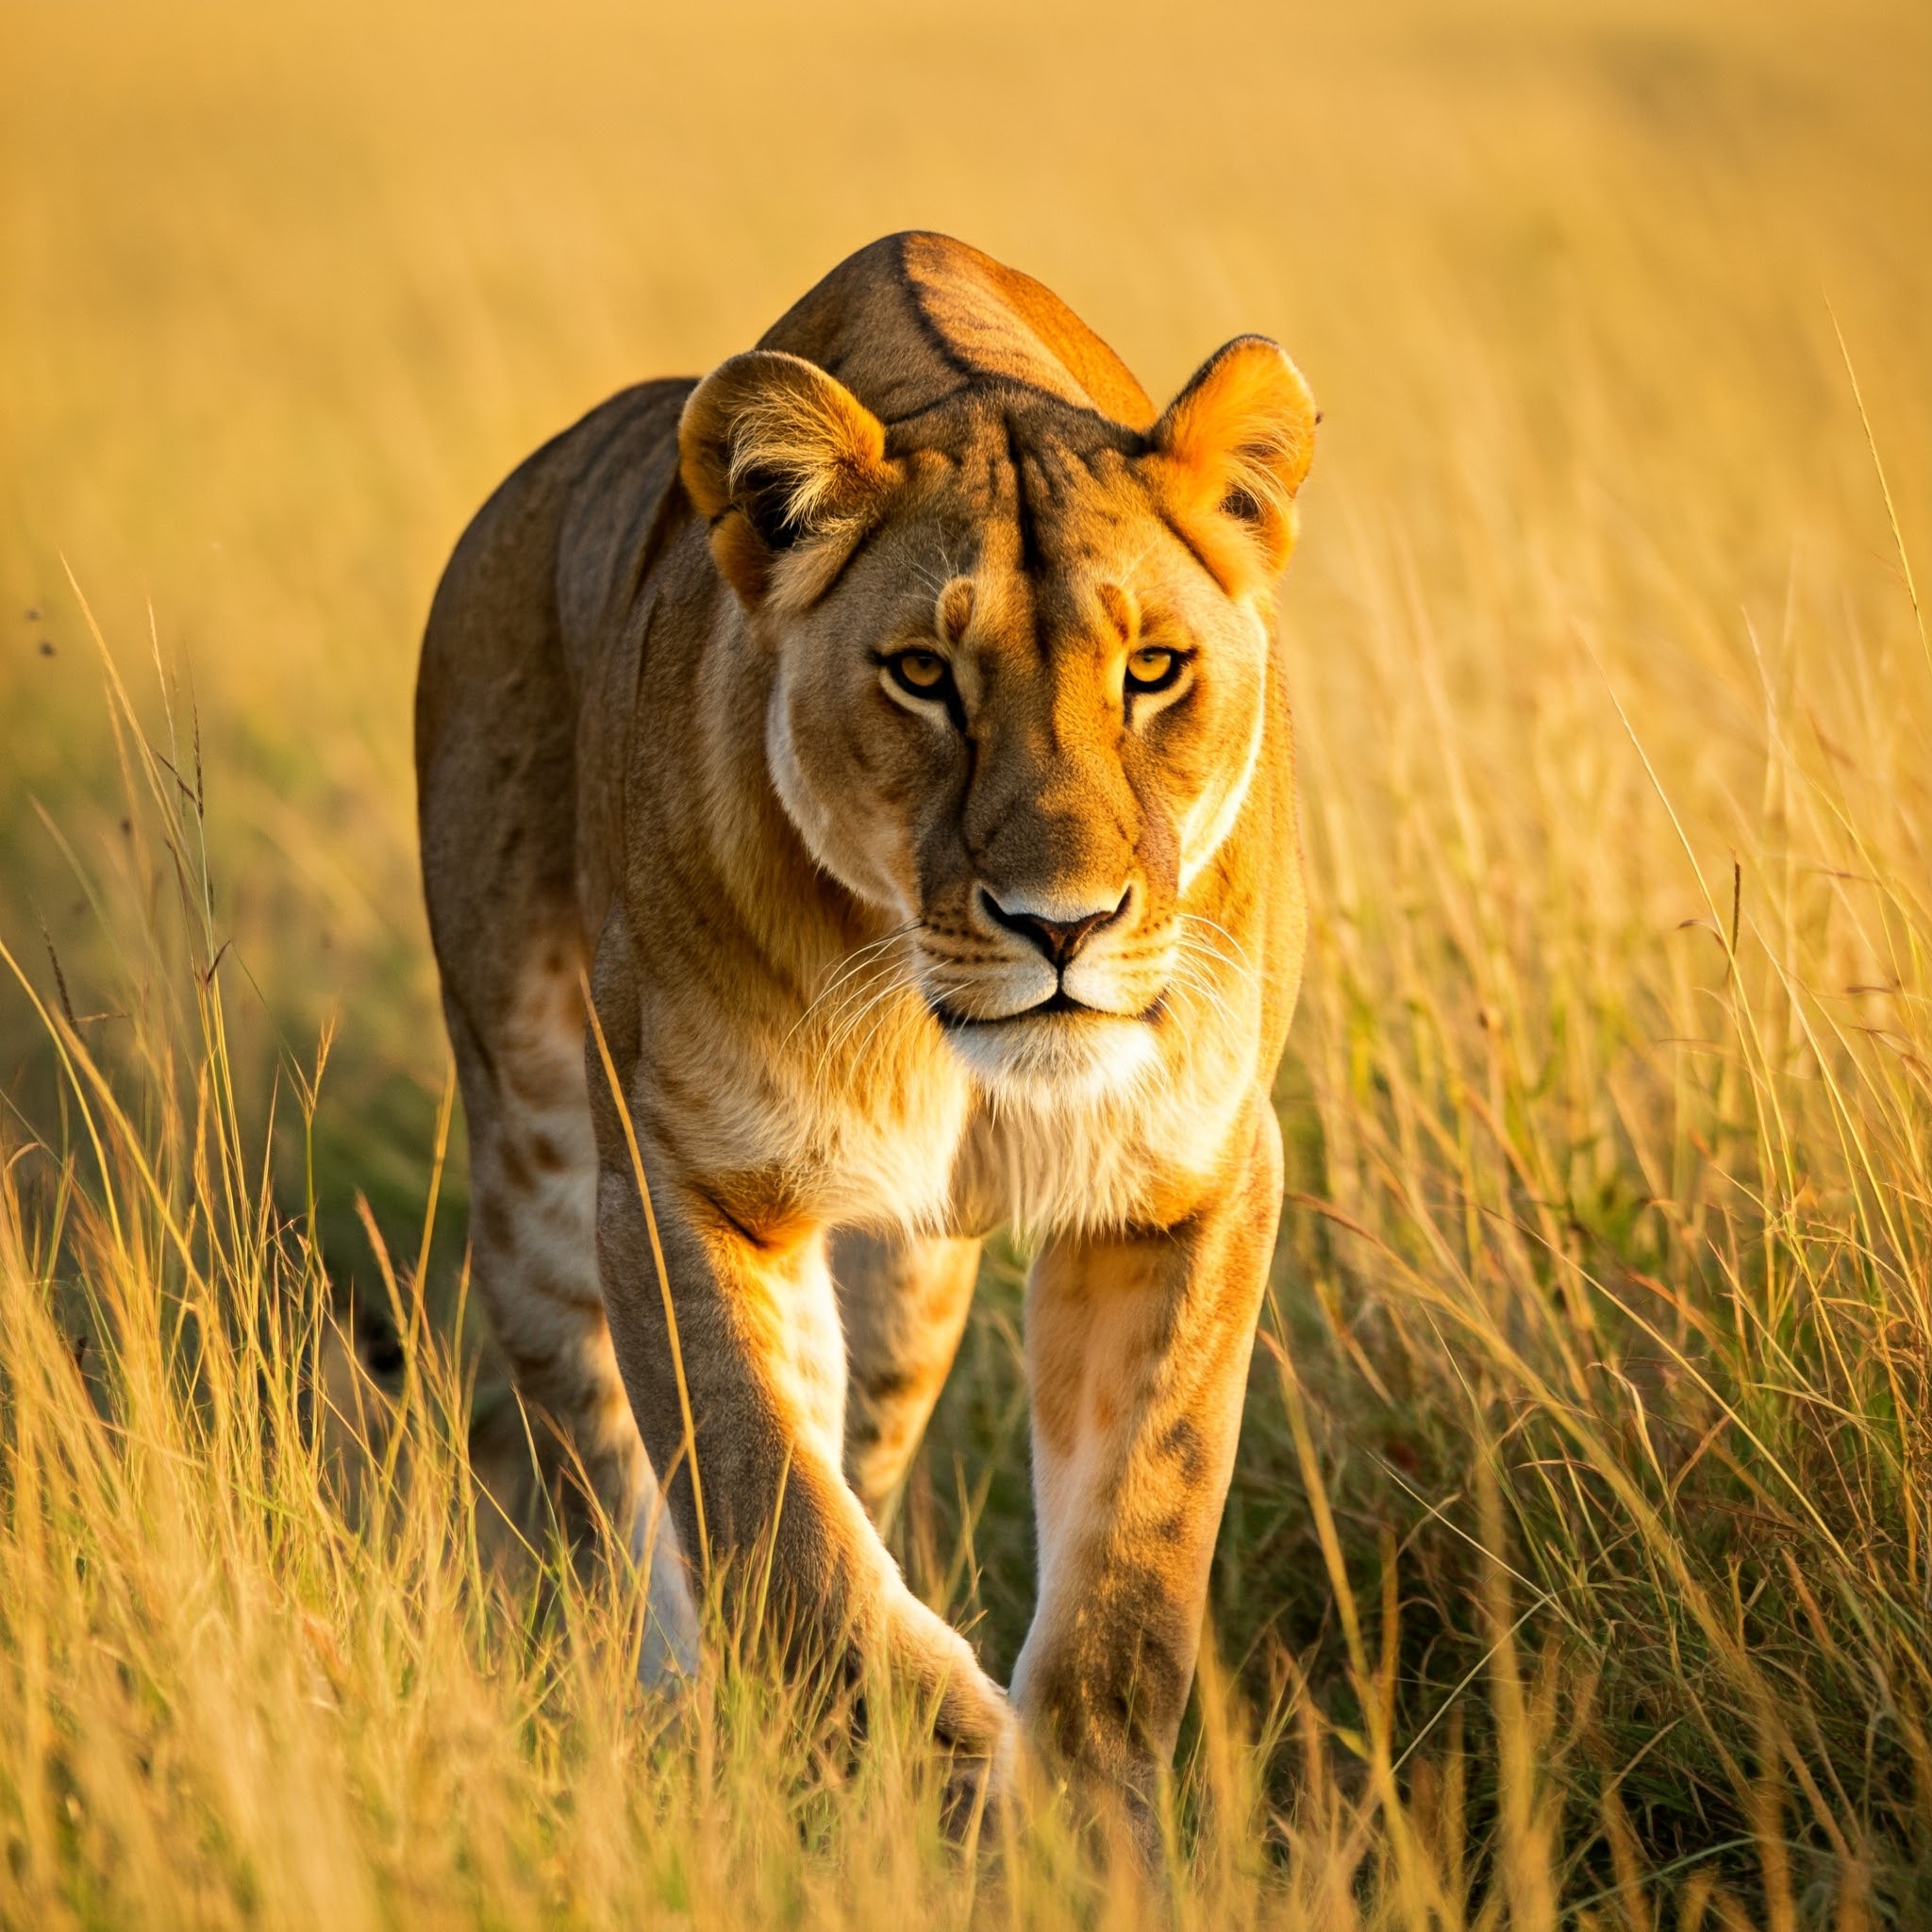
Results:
x,y
888,729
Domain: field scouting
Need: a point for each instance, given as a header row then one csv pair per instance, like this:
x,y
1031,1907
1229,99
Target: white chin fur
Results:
x,y
1055,1057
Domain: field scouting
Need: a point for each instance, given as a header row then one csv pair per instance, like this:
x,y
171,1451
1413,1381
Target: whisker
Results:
x,y
1192,949
850,1021
1195,942
1191,944
860,985
882,1008
887,1013
857,992
1202,919
850,965
1191,980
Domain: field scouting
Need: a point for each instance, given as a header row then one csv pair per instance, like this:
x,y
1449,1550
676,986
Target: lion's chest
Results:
x,y
941,1154
897,1133
1074,1164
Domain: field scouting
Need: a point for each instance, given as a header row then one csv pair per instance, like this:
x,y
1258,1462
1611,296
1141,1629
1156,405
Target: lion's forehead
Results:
x,y
1041,576
1032,483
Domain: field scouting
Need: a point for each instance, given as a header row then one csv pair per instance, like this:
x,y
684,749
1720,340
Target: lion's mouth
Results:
x,y
1059,1003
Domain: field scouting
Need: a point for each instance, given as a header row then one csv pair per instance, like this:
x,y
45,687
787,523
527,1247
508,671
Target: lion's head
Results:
x,y
1021,654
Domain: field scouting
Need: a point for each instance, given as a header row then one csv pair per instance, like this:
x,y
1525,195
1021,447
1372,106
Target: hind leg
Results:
x,y
531,1232
901,1302
533,1249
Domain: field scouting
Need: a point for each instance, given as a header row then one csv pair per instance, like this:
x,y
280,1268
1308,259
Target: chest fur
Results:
x,y
896,1135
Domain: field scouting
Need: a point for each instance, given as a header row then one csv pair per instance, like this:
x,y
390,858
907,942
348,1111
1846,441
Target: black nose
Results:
x,y
1058,940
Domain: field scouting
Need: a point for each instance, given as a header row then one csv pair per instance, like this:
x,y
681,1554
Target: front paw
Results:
x,y
967,1711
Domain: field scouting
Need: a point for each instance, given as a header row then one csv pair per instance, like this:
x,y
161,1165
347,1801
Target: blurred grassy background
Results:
x,y
284,292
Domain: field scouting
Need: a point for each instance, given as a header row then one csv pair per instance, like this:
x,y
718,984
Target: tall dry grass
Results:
x,y
1577,1567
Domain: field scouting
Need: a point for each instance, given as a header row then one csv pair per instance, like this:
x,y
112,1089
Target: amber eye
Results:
x,y
922,673
1152,669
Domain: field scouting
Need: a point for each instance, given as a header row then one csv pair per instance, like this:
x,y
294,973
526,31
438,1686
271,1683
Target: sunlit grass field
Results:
x,y
1578,1566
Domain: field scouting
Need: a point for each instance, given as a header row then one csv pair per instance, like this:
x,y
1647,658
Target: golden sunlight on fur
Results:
x,y
891,727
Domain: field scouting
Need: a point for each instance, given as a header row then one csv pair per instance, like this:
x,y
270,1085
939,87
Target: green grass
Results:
x,y
1577,1566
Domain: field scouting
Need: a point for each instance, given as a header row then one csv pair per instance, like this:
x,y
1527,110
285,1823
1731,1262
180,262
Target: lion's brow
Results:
x,y
1032,558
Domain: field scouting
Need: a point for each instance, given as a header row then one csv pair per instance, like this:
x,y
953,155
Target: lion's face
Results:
x,y
1021,674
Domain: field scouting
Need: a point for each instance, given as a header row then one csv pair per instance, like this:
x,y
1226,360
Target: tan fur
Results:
x,y
659,732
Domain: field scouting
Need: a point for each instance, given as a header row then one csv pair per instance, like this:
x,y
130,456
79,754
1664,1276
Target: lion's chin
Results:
x,y
1048,1056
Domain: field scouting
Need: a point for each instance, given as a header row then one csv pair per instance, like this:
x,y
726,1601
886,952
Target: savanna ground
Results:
x,y
1578,1566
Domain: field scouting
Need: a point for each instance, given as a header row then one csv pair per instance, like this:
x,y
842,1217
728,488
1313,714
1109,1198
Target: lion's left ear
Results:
x,y
1228,456
789,470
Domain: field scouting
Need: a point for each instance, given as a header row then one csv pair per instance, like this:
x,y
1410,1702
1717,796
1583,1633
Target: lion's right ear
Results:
x,y
789,470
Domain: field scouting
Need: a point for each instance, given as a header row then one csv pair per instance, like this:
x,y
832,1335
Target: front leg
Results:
x,y
903,1301
1137,1357
763,1369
